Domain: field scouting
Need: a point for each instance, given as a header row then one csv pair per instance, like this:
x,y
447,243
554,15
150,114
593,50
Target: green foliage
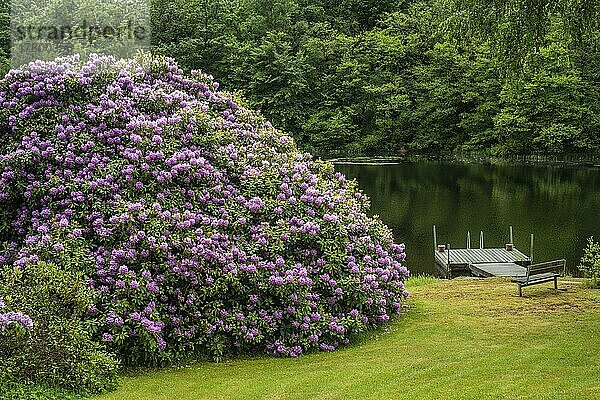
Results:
x,y
273,77
402,85
373,76
437,113
4,36
518,28
590,262
17,391
59,351
196,32
546,109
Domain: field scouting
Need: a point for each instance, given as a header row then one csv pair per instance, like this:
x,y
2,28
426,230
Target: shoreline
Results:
x,y
530,160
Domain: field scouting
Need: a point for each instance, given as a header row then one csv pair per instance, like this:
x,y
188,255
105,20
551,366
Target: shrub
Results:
x,y
17,391
202,229
52,344
590,262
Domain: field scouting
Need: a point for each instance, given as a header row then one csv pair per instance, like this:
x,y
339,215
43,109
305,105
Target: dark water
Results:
x,y
560,206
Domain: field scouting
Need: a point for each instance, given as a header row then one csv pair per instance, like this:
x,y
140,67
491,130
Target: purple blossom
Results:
x,y
11,318
182,200
152,287
255,204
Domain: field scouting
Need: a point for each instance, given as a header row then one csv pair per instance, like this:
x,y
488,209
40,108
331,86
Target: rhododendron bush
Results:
x,y
200,227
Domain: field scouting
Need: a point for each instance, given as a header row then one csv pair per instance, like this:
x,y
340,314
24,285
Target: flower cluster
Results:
x,y
13,319
200,227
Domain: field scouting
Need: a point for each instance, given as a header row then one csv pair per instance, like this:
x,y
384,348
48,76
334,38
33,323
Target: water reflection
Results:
x,y
560,206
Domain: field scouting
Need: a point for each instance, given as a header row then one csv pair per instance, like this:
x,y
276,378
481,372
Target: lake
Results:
x,y
559,205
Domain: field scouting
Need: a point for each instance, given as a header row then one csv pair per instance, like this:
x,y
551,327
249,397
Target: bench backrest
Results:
x,y
557,266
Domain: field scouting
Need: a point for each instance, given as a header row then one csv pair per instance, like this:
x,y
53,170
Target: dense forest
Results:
x,y
394,77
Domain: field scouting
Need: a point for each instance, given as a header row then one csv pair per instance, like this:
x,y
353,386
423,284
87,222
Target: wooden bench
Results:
x,y
540,273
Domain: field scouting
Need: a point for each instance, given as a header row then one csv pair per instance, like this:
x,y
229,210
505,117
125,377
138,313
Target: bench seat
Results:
x,y
540,273
534,279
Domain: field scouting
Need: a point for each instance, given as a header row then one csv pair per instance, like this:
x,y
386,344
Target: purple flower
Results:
x,y
12,318
276,280
135,316
255,204
162,344
152,287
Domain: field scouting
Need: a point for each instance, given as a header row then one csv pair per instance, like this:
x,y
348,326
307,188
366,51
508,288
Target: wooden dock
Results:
x,y
481,262
485,263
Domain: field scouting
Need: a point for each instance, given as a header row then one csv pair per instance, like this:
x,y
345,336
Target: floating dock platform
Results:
x,y
481,262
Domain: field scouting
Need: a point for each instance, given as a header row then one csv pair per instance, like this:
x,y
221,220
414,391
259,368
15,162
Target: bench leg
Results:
x,y
520,292
555,283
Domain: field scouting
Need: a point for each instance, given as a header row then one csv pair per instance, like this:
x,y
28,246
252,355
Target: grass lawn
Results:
x,y
462,339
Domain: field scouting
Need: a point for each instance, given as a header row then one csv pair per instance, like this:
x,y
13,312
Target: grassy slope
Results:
x,y
463,339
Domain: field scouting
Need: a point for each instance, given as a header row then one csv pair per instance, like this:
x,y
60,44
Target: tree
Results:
x,y
519,27
545,109
590,262
4,36
196,33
